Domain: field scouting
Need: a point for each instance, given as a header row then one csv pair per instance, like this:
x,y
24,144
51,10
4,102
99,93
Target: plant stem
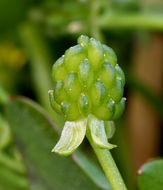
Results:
x,y
109,166
132,21
40,59
93,15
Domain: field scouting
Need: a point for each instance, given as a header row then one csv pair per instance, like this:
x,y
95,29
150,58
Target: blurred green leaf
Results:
x,y
151,175
5,133
95,173
11,163
40,68
3,96
12,13
36,138
10,180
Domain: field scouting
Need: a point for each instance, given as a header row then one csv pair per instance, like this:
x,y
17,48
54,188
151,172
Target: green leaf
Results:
x,y
40,59
35,135
72,136
98,133
151,175
95,173
5,134
4,96
11,163
10,180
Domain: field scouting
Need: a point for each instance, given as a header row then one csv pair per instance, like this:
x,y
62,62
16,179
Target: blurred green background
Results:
x,y
33,34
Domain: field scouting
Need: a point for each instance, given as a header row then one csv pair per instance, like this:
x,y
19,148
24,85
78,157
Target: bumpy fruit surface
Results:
x,y
88,80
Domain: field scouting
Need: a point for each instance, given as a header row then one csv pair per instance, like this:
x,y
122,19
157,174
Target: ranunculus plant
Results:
x,y
88,93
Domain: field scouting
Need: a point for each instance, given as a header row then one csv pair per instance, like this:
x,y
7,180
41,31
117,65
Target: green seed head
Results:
x,y
88,90
88,80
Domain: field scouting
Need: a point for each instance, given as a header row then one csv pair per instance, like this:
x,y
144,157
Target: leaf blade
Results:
x,y
35,138
94,172
151,175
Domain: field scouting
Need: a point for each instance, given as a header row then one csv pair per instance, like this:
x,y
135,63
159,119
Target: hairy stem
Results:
x,y
108,164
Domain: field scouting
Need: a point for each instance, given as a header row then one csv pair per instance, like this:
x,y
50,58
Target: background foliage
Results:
x,y
33,34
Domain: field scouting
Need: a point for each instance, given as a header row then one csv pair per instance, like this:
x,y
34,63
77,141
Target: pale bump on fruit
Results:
x,y
119,108
105,111
97,93
72,86
84,104
88,80
70,111
73,57
109,55
116,92
120,74
95,53
86,75
83,41
59,92
107,74
59,70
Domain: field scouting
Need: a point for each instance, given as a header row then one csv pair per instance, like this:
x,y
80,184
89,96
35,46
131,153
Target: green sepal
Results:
x,y
72,136
98,133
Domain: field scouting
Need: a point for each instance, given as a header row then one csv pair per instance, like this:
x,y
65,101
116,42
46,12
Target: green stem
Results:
x,y
40,60
149,21
93,15
108,164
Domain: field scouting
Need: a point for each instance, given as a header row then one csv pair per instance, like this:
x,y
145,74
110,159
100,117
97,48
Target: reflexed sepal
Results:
x,y
72,136
97,132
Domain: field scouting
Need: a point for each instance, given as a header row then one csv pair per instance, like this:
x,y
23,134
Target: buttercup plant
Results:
x,y
88,93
